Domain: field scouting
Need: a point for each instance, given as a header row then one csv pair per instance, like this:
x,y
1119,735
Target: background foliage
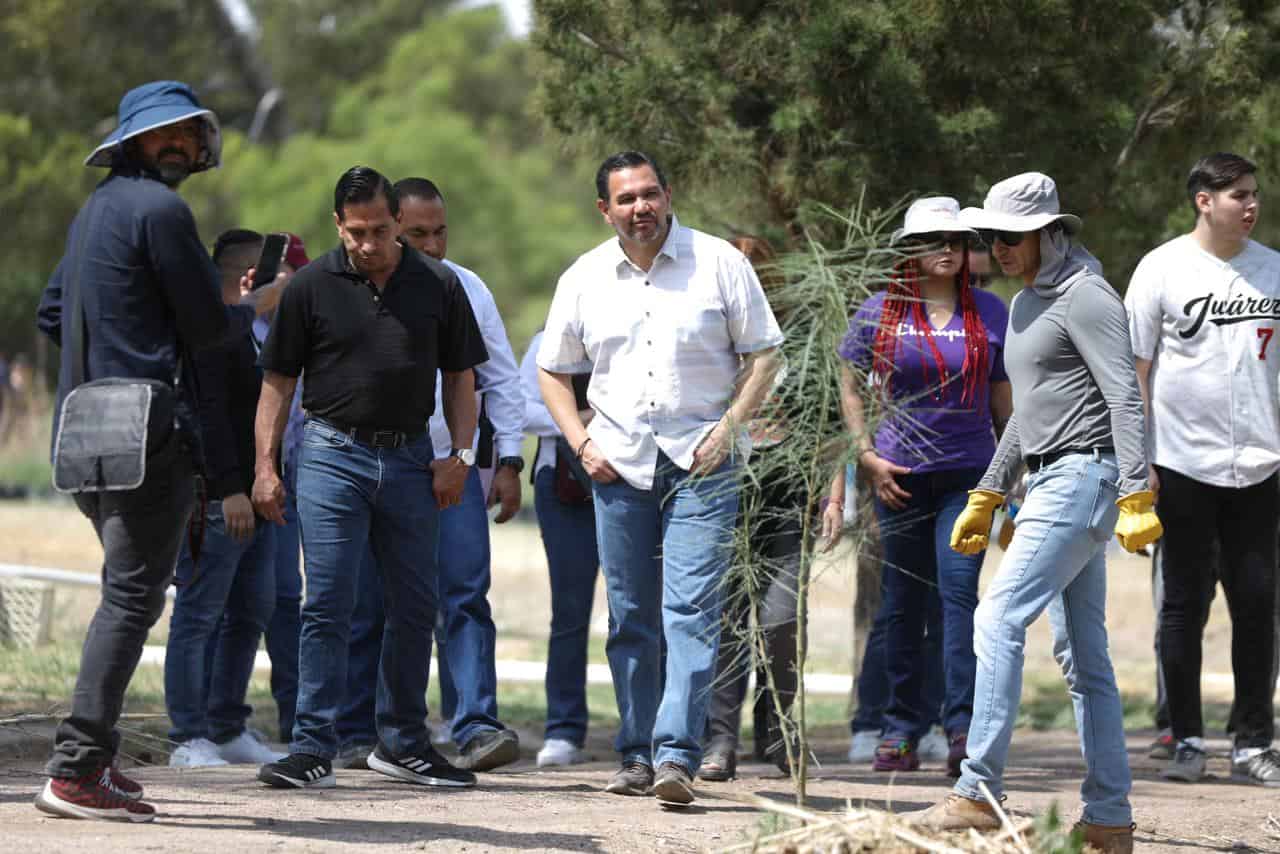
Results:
x,y
758,108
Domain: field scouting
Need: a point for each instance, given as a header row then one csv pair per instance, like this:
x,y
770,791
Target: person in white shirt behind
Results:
x,y
567,523
1203,309
680,342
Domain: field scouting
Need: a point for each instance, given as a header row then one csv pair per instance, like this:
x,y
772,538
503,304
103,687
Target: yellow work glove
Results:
x,y
973,525
1138,525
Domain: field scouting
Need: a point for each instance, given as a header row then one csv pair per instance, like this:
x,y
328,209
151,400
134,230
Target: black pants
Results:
x,y
1239,527
140,531
770,584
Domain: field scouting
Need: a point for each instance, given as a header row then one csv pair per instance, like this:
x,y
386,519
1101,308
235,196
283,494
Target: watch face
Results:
x,y
467,455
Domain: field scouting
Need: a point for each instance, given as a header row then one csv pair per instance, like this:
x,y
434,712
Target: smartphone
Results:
x,y
269,261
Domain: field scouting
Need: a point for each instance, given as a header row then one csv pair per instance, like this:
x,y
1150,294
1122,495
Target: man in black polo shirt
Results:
x,y
369,322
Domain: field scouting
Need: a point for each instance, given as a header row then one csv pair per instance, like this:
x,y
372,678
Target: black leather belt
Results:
x,y
1035,462
375,437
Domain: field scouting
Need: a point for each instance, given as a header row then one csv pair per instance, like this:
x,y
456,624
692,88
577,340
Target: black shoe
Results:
x,y
720,762
633,778
673,784
354,757
490,749
426,767
299,771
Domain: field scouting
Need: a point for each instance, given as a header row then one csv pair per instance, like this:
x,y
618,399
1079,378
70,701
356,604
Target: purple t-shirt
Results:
x,y
936,430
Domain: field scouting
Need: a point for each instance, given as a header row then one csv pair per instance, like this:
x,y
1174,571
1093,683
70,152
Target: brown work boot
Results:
x,y
956,812
1107,838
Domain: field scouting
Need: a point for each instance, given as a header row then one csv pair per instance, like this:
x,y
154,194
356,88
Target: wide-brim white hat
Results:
x,y
1025,202
930,215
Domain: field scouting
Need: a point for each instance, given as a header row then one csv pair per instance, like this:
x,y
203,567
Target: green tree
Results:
x,y
518,211
758,107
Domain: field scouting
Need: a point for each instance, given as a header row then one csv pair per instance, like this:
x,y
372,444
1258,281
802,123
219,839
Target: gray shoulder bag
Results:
x,y
106,427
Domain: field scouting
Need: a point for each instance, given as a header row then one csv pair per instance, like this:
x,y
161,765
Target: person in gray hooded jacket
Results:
x,y
1078,425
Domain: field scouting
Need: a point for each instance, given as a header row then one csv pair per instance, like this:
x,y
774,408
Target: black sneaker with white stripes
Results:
x,y
299,771
426,767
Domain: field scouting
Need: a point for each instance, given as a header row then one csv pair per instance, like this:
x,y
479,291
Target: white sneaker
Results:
x,y
247,749
196,753
863,746
559,751
933,746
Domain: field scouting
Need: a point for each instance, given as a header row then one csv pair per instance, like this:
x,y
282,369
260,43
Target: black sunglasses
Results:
x,y
1008,238
940,238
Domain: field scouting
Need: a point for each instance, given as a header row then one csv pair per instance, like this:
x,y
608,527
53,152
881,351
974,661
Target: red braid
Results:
x,y
975,369
903,291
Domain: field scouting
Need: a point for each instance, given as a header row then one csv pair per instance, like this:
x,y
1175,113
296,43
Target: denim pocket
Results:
x,y
320,436
1104,513
421,453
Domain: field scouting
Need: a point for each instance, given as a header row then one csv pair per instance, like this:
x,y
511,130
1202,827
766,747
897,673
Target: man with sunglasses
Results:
x,y
1203,309
1078,425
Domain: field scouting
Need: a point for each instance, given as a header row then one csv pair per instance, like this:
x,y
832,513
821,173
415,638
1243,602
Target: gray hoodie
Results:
x,y
1071,366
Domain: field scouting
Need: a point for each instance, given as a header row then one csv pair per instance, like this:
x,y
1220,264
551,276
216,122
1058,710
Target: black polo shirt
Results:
x,y
371,358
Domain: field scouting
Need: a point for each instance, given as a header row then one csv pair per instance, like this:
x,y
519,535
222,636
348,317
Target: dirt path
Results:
x,y
524,809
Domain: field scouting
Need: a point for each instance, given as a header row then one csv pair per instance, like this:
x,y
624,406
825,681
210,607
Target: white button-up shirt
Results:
x,y
1207,325
664,347
497,379
537,419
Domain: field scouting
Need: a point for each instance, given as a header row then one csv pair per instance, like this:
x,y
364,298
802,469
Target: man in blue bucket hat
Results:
x,y
150,296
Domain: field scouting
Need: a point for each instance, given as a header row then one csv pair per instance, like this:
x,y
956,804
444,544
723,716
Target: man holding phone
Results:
x,y
227,586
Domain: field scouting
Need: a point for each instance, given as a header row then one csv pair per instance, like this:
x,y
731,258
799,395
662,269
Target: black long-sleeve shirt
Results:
x,y
230,382
149,290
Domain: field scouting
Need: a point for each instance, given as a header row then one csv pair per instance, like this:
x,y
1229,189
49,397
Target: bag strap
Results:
x,y
77,344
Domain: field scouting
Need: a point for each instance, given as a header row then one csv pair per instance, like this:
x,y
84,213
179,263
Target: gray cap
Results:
x,y
1025,202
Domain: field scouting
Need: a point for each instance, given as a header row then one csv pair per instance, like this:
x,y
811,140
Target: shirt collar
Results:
x,y
670,246
338,262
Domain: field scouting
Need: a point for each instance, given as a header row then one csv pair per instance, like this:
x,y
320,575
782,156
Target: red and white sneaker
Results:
x,y
114,779
87,797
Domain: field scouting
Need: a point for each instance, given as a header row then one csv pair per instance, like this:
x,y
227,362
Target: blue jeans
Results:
x,y
224,602
1056,561
665,551
286,621
357,725
468,673
569,539
919,561
873,678
353,497
468,636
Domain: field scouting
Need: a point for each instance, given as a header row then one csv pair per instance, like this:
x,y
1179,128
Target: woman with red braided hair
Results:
x,y
931,348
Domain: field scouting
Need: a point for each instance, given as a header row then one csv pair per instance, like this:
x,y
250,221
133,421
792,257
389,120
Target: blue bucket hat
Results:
x,y
154,105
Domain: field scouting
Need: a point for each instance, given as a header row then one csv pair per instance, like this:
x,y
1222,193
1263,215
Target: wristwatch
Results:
x,y
516,463
465,455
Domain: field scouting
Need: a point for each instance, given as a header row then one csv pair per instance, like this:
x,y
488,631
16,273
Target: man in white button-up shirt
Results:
x,y
1203,309
675,329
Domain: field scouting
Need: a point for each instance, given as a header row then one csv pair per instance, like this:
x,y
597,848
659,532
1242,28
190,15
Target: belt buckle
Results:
x,y
387,438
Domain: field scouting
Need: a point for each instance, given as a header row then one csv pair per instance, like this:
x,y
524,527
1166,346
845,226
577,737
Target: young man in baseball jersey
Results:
x,y
1203,309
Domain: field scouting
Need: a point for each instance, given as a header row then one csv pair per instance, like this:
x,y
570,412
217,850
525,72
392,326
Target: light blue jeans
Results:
x,y
1056,561
664,552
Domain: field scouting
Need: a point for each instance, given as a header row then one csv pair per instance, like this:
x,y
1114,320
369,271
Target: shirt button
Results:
x,y
646,283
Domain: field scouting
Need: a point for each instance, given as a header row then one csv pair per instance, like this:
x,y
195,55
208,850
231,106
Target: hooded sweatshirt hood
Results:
x,y
1063,262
